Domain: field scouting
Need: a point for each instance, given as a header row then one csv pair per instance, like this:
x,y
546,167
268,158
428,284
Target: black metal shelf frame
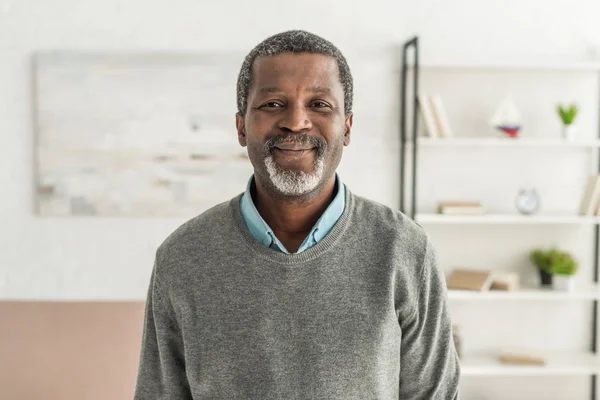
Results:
x,y
414,43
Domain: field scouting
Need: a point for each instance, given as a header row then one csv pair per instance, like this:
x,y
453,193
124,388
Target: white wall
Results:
x,y
85,258
79,257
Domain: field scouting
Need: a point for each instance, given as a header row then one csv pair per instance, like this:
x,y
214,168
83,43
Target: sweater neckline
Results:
x,y
296,258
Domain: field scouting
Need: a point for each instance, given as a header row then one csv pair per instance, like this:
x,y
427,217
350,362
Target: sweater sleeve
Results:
x,y
161,371
429,367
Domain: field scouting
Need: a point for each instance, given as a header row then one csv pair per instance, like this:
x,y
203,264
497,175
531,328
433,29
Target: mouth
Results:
x,y
294,151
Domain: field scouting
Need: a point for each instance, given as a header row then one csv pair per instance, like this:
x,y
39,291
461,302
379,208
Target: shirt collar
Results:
x,y
255,223
264,234
331,215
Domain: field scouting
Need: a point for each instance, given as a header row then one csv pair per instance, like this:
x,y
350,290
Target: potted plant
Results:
x,y
564,268
542,260
556,267
567,115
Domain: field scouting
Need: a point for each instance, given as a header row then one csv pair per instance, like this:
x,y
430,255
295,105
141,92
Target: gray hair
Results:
x,y
295,41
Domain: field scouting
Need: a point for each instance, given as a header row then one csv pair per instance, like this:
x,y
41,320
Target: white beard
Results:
x,y
292,183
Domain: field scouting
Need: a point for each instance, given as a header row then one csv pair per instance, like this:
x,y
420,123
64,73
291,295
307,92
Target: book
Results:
x,y
441,118
591,197
427,116
521,358
460,208
459,203
505,281
468,279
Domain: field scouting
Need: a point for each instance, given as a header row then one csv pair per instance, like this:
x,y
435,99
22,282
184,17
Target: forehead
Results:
x,y
288,70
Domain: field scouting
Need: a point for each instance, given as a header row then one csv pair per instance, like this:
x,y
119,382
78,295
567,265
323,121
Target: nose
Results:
x,y
295,119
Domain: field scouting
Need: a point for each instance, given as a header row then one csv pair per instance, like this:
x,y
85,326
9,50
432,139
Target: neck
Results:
x,y
293,218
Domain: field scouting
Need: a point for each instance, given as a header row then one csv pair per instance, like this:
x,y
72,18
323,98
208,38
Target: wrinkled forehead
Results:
x,y
295,71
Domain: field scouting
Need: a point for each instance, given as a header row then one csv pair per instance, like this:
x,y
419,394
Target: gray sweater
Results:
x,y
361,315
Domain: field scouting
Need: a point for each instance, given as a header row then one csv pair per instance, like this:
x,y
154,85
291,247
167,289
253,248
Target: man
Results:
x,y
297,288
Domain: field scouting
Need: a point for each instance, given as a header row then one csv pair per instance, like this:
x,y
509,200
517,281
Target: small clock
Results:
x,y
528,201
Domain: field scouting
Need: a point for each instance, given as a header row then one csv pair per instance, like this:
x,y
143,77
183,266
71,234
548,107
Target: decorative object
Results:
x,y
542,260
136,134
556,267
507,118
567,115
527,201
564,268
563,283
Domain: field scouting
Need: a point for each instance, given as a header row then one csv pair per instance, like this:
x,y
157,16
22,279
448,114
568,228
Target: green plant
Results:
x,y
564,264
542,259
554,261
568,114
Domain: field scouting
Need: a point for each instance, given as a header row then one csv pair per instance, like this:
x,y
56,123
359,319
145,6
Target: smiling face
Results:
x,y
295,127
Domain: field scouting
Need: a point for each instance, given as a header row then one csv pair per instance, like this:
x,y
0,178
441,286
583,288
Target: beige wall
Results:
x,y
69,351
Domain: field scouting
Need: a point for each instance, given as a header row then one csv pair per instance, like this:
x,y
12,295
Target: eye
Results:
x,y
320,104
272,104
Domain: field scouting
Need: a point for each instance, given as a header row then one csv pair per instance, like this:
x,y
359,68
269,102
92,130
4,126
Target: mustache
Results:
x,y
318,143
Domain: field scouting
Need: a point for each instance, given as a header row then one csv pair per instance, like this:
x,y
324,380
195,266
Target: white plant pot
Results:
x,y
563,283
569,132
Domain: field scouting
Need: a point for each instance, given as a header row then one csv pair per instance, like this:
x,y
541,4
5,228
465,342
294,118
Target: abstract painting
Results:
x,y
136,134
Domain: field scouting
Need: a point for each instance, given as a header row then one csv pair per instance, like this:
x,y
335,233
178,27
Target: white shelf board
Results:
x,y
589,292
505,219
556,364
581,66
504,142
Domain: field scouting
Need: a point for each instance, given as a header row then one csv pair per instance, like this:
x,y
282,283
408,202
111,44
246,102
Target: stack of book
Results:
x,y
590,203
477,280
433,114
460,208
521,357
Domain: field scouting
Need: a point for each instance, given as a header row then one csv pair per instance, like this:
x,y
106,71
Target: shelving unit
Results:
x,y
590,292
488,364
505,219
549,66
505,142
557,365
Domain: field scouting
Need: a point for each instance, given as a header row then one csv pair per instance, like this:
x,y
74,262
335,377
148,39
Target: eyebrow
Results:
x,y
274,89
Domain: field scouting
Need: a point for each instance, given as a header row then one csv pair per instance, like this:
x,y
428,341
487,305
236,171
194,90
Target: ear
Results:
x,y
348,125
240,124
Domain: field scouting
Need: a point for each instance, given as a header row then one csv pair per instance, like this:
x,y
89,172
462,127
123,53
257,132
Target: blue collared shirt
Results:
x,y
264,234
